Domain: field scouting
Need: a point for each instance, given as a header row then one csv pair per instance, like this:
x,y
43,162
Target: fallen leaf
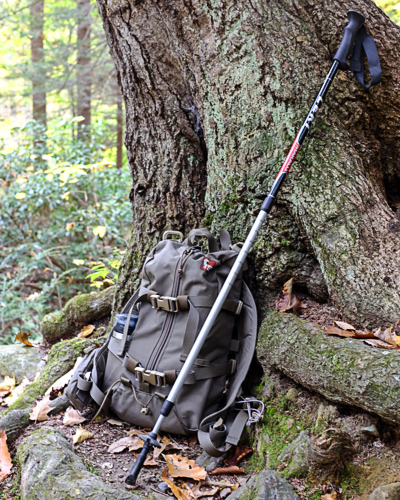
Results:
x,y
72,417
344,326
132,442
201,490
111,421
381,344
181,491
7,386
86,331
240,452
234,469
388,336
64,380
289,300
179,466
23,337
149,462
5,457
332,496
16,393
334,330
363,334
81,435
166,444
40,411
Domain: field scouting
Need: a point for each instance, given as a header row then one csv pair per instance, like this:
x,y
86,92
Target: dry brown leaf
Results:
x,y
344,326
181,491
201,490
86,331
40,411
381,344
240,452
234,469
334,330
16,393
331,496
7,386
23,337
150,461
81,435
131,442
166,444
179,466
388,336
363,334
289,300
5,457
72,417
64,380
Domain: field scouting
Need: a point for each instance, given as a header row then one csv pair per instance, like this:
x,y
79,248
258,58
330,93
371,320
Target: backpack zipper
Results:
x,y
166,331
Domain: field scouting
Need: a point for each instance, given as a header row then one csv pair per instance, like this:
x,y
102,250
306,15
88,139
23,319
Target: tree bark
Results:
x,y
345,371
215,92
38,77
83,68
120,132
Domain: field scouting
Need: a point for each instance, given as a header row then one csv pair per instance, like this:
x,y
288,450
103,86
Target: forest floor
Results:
x,y
375,462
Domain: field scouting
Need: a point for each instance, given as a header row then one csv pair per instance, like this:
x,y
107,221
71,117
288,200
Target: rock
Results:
x,y
26,361
208,462
386,492
268,485
292,394
50,469
371,430
61,359
296,455
77,312
268,390
14,422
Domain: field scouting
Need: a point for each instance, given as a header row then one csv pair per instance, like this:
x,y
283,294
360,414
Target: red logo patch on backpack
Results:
x,y
208,264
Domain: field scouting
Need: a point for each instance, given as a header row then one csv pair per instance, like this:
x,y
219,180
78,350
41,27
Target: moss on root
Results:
x,y
78,312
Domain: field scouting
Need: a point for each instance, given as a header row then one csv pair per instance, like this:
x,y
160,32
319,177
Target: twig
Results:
x,y
57,287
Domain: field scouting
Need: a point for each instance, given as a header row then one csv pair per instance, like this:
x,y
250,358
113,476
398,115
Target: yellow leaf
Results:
x,y
69,226
73,181
23,337
33,296
78,262
86,331
40,411
19,196
16,393
100,231
7,385
8,275
66,195
81,435
97,284
49,177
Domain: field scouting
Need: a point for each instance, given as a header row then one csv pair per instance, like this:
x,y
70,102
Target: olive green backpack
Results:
x,y
132,374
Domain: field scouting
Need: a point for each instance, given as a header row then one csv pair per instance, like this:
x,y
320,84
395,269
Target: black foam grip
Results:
x,y
356,20
131,479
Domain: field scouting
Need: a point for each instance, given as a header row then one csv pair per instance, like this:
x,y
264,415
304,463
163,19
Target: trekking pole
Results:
x,y
356,20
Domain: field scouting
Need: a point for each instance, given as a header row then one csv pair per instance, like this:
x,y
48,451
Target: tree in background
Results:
x,y
83,66
37,58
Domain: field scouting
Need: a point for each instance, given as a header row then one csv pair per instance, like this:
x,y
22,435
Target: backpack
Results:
x,y
133,372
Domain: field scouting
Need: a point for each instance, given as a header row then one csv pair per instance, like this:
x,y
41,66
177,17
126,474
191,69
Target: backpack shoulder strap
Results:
x,y
226,425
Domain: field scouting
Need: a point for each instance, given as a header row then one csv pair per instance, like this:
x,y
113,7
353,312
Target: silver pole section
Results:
x,y
223,294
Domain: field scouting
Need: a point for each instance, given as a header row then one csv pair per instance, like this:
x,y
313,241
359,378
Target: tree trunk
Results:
x,y
120,132
83,68
215,93
37,57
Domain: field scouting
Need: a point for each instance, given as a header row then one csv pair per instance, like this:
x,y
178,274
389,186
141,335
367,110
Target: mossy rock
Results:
x,y
268,485
61,359
78,312
50,469
26,361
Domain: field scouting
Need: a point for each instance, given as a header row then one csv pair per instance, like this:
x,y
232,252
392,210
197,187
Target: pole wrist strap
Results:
x,y
365,45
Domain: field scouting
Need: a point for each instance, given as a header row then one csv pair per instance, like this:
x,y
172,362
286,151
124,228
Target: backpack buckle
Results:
x,y
151,377
169,304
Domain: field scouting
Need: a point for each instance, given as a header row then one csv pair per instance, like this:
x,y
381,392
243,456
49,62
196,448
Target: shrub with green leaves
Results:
x,y
64,212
